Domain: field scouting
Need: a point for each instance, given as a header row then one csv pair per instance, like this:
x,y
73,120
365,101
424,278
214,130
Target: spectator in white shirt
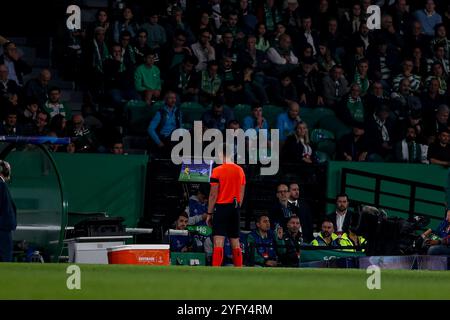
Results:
x,y
203,50
282,56
342,216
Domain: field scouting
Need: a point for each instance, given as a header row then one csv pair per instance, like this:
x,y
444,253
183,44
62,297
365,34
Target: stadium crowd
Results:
x,y
282,234
311,69
278,234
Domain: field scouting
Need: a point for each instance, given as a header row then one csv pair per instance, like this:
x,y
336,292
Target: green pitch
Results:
x,y
193,177
48,281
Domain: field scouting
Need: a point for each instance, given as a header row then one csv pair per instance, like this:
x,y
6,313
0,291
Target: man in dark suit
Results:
x,y
8,221
342,216
380,134
17,67
334,86
304,212
282,210
307,36
7,86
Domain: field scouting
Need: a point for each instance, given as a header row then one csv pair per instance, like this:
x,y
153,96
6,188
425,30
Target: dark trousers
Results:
x,y
162,152
6,246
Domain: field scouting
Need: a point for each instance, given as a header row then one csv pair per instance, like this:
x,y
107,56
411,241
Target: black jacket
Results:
x,y
292,151
348,145
8,221
22,68
11,87
305,214
392,63
292,243
174,80
35,90
115,78
347,220
281,217
375,138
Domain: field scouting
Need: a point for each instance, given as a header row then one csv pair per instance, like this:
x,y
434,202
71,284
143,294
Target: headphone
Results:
x,y
5,168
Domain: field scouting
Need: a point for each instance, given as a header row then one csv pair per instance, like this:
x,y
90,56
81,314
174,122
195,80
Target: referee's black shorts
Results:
x,y
226,221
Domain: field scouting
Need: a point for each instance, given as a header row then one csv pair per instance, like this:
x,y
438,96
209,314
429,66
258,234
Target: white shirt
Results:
x,y
340,221
5,84
276,58
295,203
203,55
307,150
216,15
366,41
310,40
355,24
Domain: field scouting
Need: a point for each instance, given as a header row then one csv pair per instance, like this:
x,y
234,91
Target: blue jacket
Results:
x,y
285,125
428,22
228,252
160,126
441,230
211,121
262,249
196,211
249,122
8,213
178,242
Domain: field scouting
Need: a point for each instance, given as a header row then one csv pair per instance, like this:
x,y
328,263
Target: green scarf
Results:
x,y
100,57
270,23
412,148
272,17
356,109
363,83
132,52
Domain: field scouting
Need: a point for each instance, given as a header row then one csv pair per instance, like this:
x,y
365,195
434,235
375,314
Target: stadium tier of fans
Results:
x,y
285,231
312,69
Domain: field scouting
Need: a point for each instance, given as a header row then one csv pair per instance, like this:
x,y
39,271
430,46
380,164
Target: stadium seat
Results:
x,y
323,112
333,124
139,115
307,115
319,135
158,104
132,143
324,141
313,116
328,147
241,111
322,157
191,112
271,112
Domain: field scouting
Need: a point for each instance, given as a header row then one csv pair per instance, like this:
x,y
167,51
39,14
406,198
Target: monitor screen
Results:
x,y
196,171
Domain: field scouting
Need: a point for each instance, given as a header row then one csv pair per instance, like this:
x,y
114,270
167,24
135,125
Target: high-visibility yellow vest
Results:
x,y
345,241
319,240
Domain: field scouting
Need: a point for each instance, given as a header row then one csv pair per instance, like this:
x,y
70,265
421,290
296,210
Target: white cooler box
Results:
x,y
93,250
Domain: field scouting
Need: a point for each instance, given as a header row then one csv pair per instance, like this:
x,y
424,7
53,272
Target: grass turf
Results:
x,y
48,281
